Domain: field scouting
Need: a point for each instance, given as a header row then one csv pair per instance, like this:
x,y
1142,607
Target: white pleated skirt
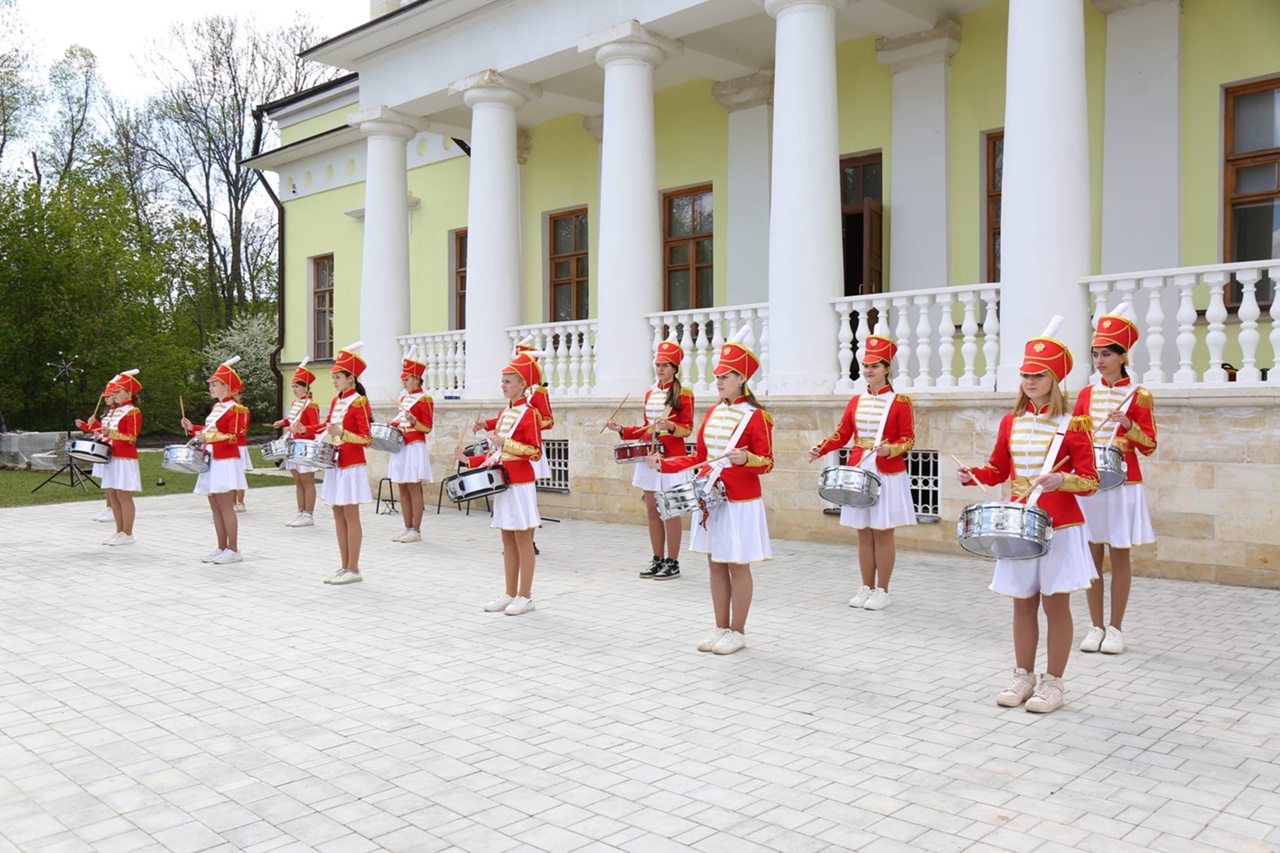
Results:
x,y
1066,568
894,509
224,475
346,486
516,508
98,470
736,532
652,481
290,465
1118,517
122,474
411,465
245,460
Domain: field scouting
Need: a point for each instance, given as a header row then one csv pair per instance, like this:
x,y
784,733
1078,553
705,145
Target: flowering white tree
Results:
x,y
252,337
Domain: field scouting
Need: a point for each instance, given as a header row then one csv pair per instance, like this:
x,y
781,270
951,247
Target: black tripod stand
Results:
x,y
75,477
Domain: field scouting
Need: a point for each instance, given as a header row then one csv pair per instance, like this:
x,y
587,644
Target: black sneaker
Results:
x,y
670,570
654,567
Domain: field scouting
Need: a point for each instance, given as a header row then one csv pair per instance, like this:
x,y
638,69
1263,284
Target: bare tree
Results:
x,y
20,93
76,89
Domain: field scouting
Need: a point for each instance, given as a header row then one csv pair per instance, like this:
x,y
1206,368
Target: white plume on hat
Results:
x,y
133,372
231,362
1054,324
353,347
306,359
1124,310
741,335
534,353
413,353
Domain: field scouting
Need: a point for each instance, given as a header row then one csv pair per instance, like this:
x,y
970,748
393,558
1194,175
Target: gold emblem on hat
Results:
x,y
1106,324
1038,347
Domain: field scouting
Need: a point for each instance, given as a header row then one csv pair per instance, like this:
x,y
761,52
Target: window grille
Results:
x,y
556,451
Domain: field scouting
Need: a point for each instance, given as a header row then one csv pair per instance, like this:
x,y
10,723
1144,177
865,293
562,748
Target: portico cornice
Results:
x,y
1109,7
385,121
741,93
923,48
630,40
491,85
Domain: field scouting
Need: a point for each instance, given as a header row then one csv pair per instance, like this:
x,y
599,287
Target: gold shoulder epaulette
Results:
x,y
767,417
903,398
427,397
1144,399
1081,423
240,409
360,400
686,391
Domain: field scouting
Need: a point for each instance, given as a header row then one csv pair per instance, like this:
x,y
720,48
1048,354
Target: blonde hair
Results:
x,y
1057,401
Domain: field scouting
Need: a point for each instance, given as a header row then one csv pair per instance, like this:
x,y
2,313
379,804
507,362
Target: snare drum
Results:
x,y
386,438
848,485
480,448
476,483
1112,468
687,497
636,451
274,451
1004,530
308,453
89,450
185,459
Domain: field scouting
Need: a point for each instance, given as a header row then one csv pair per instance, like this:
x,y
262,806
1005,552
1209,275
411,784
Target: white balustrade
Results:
x,y
929,327
444,355
701,332
1194,341
569,363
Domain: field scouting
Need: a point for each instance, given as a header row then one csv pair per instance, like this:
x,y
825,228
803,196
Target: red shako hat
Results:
x,y
227,375
1046,353
878,348
348,361
669,352
302,375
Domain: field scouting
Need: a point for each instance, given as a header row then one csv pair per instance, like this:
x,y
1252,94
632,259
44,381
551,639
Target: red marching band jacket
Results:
x,y
223,436
123,436
424,409
1080,474
521,447
356,435
672,442
540,400
309,417
243,441
899,434
741,482
1140,438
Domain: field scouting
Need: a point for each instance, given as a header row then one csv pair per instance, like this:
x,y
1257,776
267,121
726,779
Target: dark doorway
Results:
x,y
861,190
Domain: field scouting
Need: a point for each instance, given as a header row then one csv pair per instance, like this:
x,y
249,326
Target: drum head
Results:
x,y
1003,546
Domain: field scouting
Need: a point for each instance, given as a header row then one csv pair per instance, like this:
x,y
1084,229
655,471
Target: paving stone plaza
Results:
x,y
149,702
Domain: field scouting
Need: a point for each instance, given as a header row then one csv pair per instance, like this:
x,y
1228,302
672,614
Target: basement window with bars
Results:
x,y
922,468
556,451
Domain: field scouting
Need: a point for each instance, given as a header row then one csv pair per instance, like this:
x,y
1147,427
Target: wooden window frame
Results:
x,y
322,316
669,242
872,158
574,280
993,195
1231,162
460,246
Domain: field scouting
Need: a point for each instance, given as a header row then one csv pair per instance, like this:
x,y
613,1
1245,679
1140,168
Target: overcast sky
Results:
x,y
118,32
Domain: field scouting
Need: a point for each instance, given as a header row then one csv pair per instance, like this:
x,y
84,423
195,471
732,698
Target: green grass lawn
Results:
x,y
16,486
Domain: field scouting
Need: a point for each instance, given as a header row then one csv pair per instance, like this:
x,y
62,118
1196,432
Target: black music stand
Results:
x,y
75,476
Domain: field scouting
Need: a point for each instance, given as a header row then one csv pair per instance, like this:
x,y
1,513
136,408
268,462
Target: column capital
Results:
x,y
384,121
779,7
491,86
630,41
741,93
594,127
927,47
1109,7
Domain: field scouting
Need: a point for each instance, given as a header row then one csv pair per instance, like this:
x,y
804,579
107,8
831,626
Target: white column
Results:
x,y
384,271
629,222
1046,223
805,255
493,226
919,242
749,101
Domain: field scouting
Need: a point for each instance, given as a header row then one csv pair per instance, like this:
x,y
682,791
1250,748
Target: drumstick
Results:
x,y
616,409
981,484
182,407
94,416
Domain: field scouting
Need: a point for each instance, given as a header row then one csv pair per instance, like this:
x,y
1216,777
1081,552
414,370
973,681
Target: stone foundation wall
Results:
x,y
1211,484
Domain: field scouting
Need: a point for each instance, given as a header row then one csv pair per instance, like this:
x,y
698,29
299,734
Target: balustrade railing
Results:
x,y
1189,336
948,337
444,355
569,366
701,332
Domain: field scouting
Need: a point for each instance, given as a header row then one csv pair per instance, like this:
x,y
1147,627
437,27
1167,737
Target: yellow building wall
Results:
x,y
318,124
1223,42
442,189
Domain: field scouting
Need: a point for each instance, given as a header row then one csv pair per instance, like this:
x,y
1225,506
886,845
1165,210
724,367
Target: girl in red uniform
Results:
x,y
668,418
302,421
92,426
221,434
1124,417
518,444
411,467
346,486
881,423
1038,436
120,428
735,447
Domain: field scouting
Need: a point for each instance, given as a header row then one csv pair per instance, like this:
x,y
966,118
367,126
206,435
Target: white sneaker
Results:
x,y
334,576
713,636
1049,695
411,536
105,515
304,519
731,641
238,507
878,600
400,535
1093,640
120,539
227,556
519,606
1113,643
860,597
499,603
211,556
295,521
346,576
111,540
1019,690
